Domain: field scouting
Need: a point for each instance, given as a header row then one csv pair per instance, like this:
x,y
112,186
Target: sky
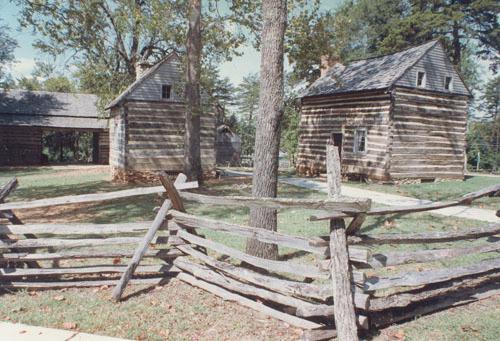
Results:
x,y
235,70
26,54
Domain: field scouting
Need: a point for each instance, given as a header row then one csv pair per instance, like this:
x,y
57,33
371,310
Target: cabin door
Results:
x,y
337,141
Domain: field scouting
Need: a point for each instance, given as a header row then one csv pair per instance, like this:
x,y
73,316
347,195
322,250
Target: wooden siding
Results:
x,y
103,147
436,65
321,116
20,146
169,73
155,137
427,135
117,137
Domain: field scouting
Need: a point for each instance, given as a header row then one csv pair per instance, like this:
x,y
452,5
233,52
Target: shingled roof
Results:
x,y
50,109
368,74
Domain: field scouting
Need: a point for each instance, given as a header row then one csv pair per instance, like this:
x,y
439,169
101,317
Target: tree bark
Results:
x,y
192,153
268,123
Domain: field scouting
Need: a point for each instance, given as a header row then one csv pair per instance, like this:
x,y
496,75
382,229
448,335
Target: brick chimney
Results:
x,y
327,62
140,68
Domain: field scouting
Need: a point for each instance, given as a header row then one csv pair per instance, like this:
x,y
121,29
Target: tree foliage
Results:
x,y
7,47
106,39
45,78
483,137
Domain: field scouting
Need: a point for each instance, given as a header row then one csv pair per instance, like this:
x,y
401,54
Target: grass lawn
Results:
x,y
179,312
440,191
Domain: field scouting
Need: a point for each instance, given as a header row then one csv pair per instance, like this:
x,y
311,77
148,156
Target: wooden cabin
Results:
x,y
147,125
399,117
26,115
227,147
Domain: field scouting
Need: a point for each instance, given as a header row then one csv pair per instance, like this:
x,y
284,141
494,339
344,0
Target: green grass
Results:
x,y
440,191
172,309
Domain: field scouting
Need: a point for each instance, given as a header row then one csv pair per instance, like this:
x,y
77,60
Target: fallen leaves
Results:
x,y
70,325
389,224
398,335
59,298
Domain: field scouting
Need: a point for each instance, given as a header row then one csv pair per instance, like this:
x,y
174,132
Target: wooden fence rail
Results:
x,y
327,298
464,200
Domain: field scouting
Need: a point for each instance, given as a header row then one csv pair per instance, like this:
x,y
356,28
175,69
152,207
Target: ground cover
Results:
x,y
178,311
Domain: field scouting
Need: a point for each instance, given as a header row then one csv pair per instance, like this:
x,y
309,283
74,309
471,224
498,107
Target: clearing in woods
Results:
x,y
178,311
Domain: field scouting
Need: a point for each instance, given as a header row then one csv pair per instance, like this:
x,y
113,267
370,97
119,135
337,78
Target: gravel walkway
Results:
x,y
467,212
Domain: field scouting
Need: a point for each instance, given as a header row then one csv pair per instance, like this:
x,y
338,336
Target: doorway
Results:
x,y
337,141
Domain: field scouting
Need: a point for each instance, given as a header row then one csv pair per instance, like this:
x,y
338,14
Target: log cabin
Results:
x,y
147,125
25,116
399,117
227,147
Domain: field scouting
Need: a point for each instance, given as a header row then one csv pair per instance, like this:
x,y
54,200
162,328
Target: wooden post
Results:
x,y
172,193
141,250
344,313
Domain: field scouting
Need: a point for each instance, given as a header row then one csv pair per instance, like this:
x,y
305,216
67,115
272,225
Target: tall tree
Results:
x,y
105,39
247,105
271,107
456,22
7,46
192,153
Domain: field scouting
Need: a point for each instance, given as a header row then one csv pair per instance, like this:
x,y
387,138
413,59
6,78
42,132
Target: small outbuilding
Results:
x,y
396,117
26,115
147,125
227,147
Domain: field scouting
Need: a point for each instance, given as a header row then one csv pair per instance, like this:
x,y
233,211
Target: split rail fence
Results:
x,y
334,291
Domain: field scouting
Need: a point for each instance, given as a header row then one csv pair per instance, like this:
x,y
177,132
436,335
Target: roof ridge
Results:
x,y
430,42
5,90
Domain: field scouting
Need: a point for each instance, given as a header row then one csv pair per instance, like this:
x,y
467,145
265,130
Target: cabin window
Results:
x,y
448,83
359,141
166,91
421,78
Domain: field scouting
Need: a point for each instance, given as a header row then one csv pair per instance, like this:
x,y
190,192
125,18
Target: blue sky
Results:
x,y
235,70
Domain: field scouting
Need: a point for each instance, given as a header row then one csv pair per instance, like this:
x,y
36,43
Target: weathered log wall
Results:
x,y
321,116
103,148
411,134
20,145
149,136
117,138
427,135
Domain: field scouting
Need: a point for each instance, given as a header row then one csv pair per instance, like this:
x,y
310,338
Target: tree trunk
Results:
x,y
192,153
268,127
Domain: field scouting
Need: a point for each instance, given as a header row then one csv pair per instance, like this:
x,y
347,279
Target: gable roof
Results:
x,y
50,109
368,74
147,74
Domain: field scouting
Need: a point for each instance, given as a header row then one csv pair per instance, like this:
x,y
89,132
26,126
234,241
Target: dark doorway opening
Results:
x,y
69,146
337,141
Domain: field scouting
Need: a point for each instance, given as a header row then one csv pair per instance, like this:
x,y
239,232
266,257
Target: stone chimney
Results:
x,y
140,68
327,62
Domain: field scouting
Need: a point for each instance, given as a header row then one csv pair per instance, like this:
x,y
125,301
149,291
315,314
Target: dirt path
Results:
x,y
467,212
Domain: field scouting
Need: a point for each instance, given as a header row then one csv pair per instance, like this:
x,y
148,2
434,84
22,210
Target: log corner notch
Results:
x,y
344,312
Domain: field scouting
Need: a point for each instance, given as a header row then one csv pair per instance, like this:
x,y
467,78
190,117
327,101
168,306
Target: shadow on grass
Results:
x,y
163,281
40,192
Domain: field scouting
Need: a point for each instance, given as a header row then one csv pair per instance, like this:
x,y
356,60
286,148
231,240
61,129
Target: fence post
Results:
x,y
344,313
140,251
